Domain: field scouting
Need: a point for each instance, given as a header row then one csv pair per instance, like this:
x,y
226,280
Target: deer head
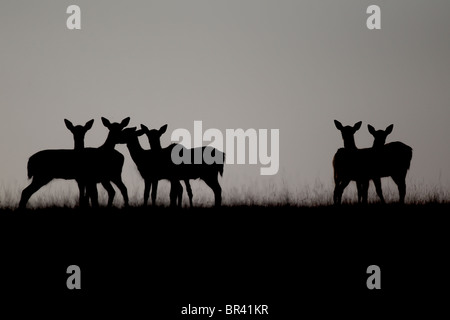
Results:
x,y
115,130
129,135
348,133
154,136
379,135
79,132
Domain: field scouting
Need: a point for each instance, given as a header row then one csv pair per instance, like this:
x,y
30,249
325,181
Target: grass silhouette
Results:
x,y
65,195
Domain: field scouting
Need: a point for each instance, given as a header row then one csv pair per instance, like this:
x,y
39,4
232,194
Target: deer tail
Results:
x,y
409,157
30,168
222,165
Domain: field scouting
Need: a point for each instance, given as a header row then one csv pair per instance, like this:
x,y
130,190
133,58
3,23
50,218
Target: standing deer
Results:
x,y
147,164
207,172
380,139
389,160
79,133
89,166
154,139
342,176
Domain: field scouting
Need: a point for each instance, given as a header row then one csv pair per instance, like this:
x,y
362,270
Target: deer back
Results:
x,y
85,164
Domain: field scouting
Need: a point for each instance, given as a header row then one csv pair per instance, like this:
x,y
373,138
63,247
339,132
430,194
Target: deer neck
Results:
x,y
135,149
350,144
377,145
79,144
109,143
155,145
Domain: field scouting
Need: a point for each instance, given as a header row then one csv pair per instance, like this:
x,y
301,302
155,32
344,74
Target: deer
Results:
x,y
391,160
341,179
154,139
147,164
164,168
79,132
89,166
379,141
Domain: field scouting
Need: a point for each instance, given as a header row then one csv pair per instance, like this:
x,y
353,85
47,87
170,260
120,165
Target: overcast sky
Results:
x,y
290,65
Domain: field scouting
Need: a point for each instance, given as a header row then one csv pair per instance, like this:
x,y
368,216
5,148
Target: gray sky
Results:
x,y
289,65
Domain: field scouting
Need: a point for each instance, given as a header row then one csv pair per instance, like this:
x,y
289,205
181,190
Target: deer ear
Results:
x,y
338,125
69,124
357,125
144,128
162,129
125,122
389,129
371,129
106,122
140,132
89,124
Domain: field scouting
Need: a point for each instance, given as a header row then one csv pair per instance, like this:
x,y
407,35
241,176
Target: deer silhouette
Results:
x,y
147,163
389,160
165,167
154,139
88,165
379,135
380,139
79,132
363,165
341,176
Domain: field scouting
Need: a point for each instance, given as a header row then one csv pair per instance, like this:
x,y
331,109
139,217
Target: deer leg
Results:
x,y
377,183
364,191
180,198
123,189
91,189
111,192
342,187
359,188
147,188
83,200
189,191
401,184
34,186
339,190
402,191
175,186
217,189
154,191
335,193
336,186
180,194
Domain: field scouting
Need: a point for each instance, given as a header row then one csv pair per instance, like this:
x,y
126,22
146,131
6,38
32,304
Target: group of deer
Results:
x,y
90,166
362,165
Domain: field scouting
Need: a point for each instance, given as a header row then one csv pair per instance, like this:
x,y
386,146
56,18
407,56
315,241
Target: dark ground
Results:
x,y
154,261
